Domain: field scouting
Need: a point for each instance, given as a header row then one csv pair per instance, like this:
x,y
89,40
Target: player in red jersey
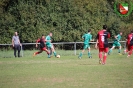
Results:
x,y
102,43
42,42
130,43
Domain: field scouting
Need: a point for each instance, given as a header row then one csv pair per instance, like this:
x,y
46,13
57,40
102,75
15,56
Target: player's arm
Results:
x,y
46,39
96,41
108,35
96,44
116,37
12,42
92,40
37,41
83,37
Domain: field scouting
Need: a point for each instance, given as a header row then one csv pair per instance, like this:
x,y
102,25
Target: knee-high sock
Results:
x,y
54,53
104,58
100,55
110,51
37,53
89,54
80,55
130,52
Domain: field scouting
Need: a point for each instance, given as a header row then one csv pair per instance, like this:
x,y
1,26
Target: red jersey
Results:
x,y
42,42
102,38
130,39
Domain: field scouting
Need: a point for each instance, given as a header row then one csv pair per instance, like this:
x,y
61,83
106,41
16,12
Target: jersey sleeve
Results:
x,y
108,35
38,40
12,38
47,38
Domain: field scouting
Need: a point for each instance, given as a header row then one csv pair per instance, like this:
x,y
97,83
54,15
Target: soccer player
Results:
x,y
116,43
102,43
50,45
42,42
130,43
87,38
16,44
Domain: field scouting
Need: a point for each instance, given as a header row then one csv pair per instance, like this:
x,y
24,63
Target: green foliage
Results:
x,y
67,19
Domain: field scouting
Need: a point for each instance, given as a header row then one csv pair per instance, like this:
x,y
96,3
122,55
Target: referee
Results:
x,y
16,44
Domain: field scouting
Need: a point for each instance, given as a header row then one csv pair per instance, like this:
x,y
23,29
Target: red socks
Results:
x,y
37,53
130,52
104,59
100,55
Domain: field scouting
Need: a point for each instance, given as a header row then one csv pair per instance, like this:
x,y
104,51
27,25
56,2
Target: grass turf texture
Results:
x,y
66,72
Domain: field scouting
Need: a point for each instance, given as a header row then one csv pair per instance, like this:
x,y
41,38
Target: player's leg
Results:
x,y
125,51
119,50
130,51
110,51
105,55
40,51
53,50
100,55
89,54
119,45
81,53
15,49
47,51
104,58
50,50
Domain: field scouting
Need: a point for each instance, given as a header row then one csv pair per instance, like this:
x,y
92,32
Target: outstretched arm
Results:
x,y
96,44
37,42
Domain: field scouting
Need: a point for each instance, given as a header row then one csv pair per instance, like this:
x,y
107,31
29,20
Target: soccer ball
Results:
x,y
58,56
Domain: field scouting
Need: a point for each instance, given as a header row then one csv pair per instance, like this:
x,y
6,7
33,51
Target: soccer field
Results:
x,y
66,72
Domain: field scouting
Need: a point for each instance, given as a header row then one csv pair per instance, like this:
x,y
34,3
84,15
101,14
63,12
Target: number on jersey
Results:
x,y
102,38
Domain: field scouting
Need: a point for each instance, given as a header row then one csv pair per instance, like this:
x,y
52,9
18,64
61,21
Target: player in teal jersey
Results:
x,y
49,44
116,43
87,38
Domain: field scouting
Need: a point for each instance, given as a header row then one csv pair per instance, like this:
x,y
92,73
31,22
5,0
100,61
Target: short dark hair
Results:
x,y
42,34
131,31
89,30
104,26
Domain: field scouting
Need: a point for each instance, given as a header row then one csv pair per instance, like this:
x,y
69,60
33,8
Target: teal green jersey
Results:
x,y
118,38
87,38
48,38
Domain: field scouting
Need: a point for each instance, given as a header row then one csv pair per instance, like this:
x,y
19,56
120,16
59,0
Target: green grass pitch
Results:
x,y
65,72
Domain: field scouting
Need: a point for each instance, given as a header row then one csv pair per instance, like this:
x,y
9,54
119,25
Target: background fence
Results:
x,y
59,46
